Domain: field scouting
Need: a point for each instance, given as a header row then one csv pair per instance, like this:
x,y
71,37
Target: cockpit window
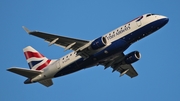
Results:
x,y
149,15
139,18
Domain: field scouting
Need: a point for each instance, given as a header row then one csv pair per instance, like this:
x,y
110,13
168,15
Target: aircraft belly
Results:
x,y
115,48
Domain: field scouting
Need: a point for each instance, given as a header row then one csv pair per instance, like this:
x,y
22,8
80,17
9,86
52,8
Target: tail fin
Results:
x,y
35,60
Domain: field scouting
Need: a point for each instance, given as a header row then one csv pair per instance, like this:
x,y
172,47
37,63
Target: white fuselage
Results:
x,y
72,60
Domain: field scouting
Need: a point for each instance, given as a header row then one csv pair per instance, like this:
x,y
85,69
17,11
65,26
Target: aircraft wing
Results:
x,y
65,42
118,65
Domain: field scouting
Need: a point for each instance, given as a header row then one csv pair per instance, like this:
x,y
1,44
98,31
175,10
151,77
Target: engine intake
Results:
x,y
99,43
132,57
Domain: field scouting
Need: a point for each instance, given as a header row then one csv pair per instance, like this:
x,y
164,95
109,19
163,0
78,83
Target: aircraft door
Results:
x,y
138,21
58,64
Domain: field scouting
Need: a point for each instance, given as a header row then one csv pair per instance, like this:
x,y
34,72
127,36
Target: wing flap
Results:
x,y
24,72
131,71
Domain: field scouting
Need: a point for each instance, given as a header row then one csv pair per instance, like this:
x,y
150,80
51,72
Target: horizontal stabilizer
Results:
x,y
25,72
47,82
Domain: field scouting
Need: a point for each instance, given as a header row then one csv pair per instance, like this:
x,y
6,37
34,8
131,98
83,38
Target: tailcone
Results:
x,y
28,81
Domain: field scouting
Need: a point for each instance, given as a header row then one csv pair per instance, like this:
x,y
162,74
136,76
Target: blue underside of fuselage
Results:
x,y
115,48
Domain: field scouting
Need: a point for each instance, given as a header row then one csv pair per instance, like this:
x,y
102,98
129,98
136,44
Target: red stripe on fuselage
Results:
x,y
29,54
43,65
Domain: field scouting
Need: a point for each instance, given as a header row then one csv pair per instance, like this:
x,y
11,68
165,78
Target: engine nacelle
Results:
x,y
132,57
99,43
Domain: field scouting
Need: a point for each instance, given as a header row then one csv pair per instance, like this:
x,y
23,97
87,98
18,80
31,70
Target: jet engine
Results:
x,y
132,57
99,43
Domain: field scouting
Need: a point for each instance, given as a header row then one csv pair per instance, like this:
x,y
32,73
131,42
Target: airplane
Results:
x,y
106,50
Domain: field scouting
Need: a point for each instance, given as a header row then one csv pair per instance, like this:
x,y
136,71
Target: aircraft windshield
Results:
x,y
149,15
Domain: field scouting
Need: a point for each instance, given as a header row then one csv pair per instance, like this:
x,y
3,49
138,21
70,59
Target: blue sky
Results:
x,y
159,70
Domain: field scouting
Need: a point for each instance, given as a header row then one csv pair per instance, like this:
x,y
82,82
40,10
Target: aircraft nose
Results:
x,y
165,20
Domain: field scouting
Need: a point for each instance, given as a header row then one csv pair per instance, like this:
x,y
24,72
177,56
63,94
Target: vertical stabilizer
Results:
x,y
35,59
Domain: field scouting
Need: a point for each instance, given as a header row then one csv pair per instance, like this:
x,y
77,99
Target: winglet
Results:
x,y
27,30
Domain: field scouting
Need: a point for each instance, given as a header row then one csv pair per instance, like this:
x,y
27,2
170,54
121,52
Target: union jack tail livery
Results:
x,y
35,60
